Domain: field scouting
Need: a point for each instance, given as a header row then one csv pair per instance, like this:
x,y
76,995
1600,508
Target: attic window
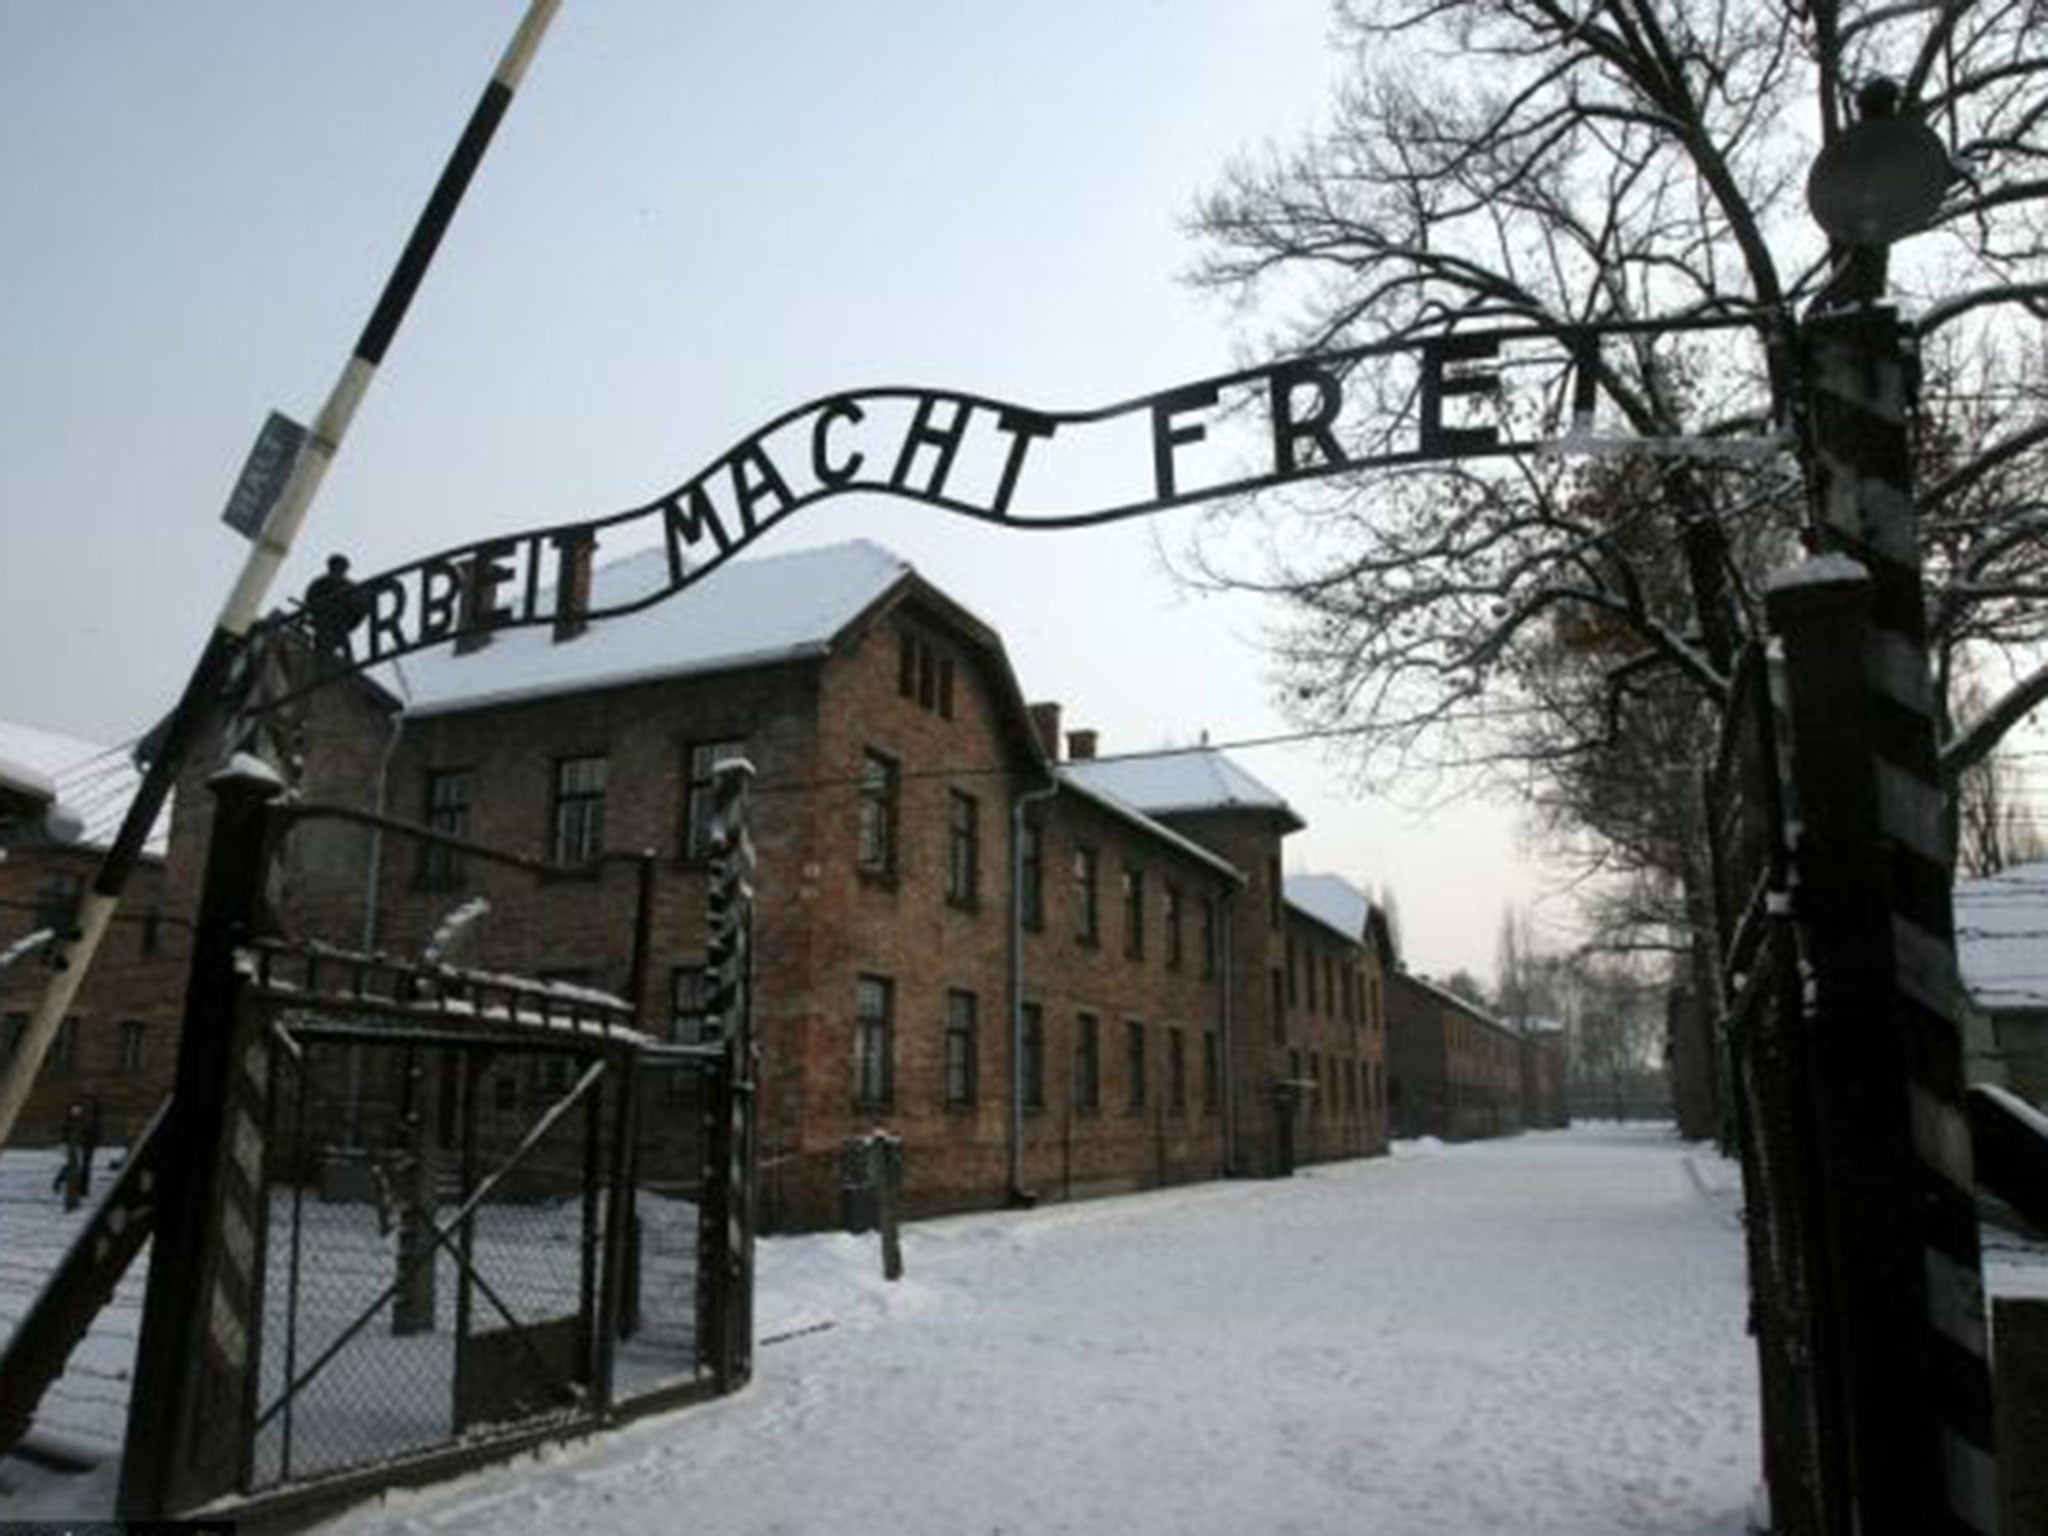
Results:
x,y
924,673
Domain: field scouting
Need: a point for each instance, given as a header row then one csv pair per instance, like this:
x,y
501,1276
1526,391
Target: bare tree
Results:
x,y
1611,161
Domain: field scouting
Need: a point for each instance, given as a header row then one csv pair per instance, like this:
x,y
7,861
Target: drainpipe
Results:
x,y
1225,971
1018,1194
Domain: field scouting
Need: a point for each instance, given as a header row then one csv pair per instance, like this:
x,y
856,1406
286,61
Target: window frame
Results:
x,y
1087,1062
874,1071
961,1055
696,849
1134,1066
132,1033
1133,882
963,849
1031,1065
880,814
1087,895
577,814
1031,875
690,993
442,868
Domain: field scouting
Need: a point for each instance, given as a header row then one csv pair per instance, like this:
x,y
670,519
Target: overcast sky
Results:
x,y
695,217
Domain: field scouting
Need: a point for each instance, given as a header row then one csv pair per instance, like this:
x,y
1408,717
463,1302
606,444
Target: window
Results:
x,y
504,1090
1176,1070
878,786
691,1020
65,1054
924,673
1210,1063
57,903
152,933
1329,983
1293,974
698,799
1273,893
963,849
1087,917
1173,952
1031,875
1032,1067
447,814
17,1026
1208,936
579,809
1134,912
1279,1006
132,1031
1134,1063
1088,1063
551,1075
874,1006
961,1052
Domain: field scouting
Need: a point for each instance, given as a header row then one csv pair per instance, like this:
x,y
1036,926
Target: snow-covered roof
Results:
x,y
747,612
1137,818
1535,1026
89,785
1332,901
21,779
1195,779
2002,937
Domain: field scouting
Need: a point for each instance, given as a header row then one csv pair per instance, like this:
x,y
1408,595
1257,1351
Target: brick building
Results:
x,y
1053,975
1455,1071
1542,1054
59,798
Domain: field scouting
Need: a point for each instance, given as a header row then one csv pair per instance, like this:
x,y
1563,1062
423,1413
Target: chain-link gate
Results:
x,y
454,1208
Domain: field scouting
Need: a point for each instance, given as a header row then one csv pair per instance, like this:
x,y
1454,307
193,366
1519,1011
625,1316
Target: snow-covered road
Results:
x,y
1543,1334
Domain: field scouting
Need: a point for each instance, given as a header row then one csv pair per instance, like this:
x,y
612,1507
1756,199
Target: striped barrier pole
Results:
x,y
72,954
1904,1301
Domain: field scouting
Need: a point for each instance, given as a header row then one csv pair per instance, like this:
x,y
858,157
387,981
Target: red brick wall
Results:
x,y
128,983
1074,1150
1460,1072
1334,1039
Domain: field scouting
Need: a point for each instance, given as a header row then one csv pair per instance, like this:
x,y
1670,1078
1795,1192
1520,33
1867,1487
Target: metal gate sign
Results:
x,y
1462,395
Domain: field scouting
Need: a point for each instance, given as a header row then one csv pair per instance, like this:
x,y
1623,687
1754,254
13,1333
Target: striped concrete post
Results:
x,y
191,1412
726,1213
1904,1300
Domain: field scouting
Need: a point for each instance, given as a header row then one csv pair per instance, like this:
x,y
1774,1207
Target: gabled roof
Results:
x,y
1196,779
745,613
1332,901
2002,937
1124,811
84,788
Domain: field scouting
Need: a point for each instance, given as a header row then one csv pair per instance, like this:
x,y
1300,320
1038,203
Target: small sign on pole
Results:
x,y
264,475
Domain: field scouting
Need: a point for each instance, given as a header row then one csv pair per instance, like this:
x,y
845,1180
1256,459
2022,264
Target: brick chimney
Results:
x,y
1081,746
1045,722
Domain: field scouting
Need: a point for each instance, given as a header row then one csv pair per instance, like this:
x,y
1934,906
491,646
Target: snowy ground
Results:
x,y
1539,1335
1543,1334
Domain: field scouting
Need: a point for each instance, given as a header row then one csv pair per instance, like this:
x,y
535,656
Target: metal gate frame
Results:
x,y
193,1411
